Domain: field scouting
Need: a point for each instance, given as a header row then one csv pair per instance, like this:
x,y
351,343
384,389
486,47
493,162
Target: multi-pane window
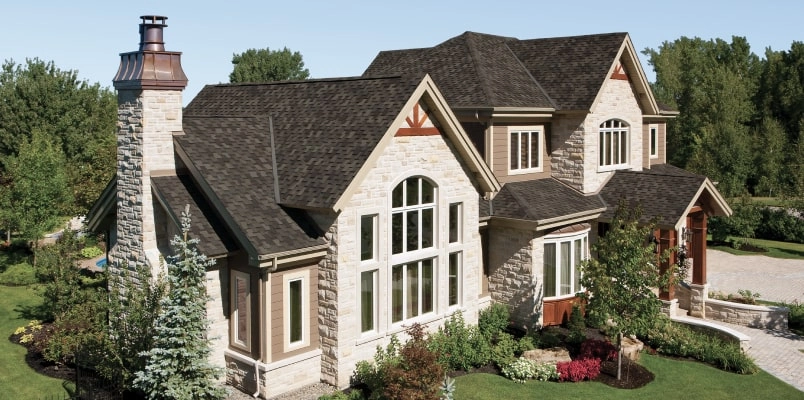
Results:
x,y
654,141
412,289
241,313
412,216
368,300
368,237
525,150
562,257
613,143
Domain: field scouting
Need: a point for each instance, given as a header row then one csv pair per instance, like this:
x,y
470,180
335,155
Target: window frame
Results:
x,y
538,132
287,279
235,313
574,278
375,225
375,299
606,139
458,279
405,285
420,253
653,140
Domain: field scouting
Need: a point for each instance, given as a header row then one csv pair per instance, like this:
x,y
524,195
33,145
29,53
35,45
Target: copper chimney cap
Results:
x,y
151,67
151,32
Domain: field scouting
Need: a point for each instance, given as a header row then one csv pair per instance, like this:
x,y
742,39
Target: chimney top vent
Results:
x,y
151,32
151,67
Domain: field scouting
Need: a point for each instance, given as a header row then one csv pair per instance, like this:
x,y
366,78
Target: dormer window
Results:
x,y
613,144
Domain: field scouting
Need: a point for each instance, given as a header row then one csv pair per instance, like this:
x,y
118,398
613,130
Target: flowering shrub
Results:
x,y
578,370
521,369
601,349
27,332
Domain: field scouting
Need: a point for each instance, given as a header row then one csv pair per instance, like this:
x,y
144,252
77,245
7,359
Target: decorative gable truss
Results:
x,y
619,72
418,123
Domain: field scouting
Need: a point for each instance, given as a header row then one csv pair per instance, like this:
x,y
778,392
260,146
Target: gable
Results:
x,y
625,67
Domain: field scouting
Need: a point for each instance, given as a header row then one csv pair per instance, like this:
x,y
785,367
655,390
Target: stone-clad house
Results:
x,y
340,211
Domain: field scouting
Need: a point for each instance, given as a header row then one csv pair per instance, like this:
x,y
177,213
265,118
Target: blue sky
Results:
x,y
340,38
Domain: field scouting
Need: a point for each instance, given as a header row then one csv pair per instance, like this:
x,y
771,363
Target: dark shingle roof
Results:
x,y
179,191
542,200
480,70
664,192
324,130
471,70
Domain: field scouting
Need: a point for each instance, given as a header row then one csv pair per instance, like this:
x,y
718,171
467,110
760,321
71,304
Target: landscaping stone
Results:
x,y
548,356
631,348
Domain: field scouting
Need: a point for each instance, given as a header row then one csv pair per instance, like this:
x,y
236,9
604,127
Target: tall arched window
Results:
x,y
613,143
413,252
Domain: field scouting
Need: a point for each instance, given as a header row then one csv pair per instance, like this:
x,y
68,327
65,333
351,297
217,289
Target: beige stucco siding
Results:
x,y
502,152
277,306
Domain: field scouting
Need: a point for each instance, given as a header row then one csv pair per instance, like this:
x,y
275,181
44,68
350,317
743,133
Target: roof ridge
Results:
x,y
305,81
475,56
535,81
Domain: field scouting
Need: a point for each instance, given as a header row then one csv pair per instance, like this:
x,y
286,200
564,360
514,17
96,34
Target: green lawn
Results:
x,y
681,380
17,379
776,249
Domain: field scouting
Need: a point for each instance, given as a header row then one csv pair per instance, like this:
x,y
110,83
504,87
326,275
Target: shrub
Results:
x,y
681,341
576,326
18,275
493,320
339,395
578,370
91,252
779,224
417,376
372,374
548,338
795,320
742,223
601,349
458,346
521,370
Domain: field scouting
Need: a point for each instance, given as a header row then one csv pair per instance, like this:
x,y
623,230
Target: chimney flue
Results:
x,y
151,32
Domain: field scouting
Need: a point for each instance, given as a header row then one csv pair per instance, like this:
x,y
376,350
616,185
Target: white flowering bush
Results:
x,y
522,369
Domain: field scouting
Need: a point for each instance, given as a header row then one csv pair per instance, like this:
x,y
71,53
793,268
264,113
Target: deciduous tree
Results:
x,y
266,65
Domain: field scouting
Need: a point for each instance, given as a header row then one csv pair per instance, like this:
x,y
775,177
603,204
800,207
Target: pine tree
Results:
x,y
178,365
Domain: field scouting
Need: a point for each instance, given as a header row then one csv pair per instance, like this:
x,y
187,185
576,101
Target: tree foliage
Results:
x,y
177,365
266,65
38,192
622,278
77,117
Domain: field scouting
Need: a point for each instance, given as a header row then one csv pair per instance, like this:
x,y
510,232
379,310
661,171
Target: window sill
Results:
x,y
610,168
525,171
560,298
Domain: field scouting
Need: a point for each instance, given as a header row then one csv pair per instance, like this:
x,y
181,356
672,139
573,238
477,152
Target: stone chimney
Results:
x,y
149,85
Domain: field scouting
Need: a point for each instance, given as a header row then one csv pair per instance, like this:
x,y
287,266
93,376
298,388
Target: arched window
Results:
x,y
413,233
613,143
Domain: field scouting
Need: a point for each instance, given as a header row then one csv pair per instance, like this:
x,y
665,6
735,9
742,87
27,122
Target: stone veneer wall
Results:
x,y
617,100
146,120
406,156
567,158
763,317
328,308
513,282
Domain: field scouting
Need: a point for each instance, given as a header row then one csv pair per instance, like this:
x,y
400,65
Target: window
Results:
x,y
454,279
241,310
368,300
654,141
562,256
296,309
455,210
412,216
368,237
412,290
525,150
613,143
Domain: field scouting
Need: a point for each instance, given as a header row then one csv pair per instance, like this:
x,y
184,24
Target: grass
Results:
x,y
17,379
793,251
674,380
767,201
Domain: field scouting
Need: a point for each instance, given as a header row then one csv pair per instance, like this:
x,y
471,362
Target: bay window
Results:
x,y
562,257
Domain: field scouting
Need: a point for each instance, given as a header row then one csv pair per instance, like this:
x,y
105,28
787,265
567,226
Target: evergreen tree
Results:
x,y
178,366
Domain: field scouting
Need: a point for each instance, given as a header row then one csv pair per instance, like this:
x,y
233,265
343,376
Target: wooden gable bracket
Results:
x,y
418,123
619,73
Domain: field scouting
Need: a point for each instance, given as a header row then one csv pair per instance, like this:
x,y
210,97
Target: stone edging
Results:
x,y
754,316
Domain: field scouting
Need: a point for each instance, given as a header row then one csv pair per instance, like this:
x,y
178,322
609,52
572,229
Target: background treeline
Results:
x,y
741,119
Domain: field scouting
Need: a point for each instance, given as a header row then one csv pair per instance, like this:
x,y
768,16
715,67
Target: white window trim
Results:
x,y
459,304
233,326
556,239
376,300
651,142
304,277
423,253
460,222
539,129
626,157
423,316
